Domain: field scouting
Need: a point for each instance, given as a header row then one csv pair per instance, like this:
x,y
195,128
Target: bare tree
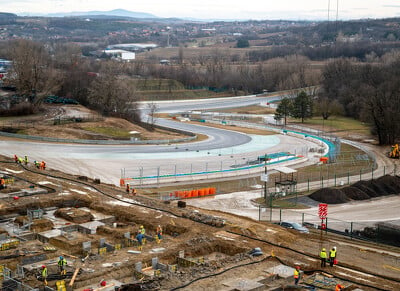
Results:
x,y
327,107
152,108
32,72
113,95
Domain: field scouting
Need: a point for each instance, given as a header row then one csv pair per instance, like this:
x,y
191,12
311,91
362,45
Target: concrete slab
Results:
x,y
157,250
92,225
241,284
282,271
51,233
97,215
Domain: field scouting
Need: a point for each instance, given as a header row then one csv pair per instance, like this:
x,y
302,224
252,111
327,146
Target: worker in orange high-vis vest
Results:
x,y
296,275
339,287
2,183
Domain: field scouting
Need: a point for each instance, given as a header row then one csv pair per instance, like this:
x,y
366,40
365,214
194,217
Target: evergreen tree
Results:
x,y
302,106
284,109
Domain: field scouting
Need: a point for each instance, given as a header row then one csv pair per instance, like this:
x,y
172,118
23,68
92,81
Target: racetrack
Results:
x,y
110,162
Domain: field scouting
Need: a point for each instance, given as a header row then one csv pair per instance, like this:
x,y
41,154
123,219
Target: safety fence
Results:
x,y
374,231
332,141
350,166
219,168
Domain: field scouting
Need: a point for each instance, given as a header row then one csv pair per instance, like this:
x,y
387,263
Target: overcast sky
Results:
x,y
218,9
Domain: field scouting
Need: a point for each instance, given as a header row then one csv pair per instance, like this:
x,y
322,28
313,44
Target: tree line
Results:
x,y
368,91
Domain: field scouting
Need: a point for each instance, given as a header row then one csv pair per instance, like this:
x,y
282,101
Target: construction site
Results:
x,y
47,214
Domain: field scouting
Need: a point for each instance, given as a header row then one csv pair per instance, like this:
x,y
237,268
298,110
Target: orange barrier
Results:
x,y
324,160
194,193
121,182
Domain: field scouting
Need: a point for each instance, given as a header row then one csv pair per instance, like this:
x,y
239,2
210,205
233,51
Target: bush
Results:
x,y
20,109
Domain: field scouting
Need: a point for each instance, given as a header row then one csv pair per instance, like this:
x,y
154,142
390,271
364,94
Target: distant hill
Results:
x,y
115,12
7,18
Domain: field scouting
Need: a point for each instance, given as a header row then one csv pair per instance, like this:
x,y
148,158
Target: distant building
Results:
x,y
165,62
121,55
133,46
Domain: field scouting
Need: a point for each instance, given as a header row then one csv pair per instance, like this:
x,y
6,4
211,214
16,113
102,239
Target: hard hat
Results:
x,y
43,266
323,249
297,267
334,248
141,226
61,257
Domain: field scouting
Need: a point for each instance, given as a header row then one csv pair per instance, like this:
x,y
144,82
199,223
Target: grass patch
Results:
x,y
337,124
252,109
285,203
110,131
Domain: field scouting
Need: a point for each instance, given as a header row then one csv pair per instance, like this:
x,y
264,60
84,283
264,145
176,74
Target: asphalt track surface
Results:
x,y
107,161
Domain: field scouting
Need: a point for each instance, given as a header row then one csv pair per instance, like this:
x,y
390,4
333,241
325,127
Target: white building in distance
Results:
x,y
133,46
121,55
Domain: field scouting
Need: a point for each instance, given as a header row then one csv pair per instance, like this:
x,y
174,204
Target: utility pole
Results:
x,y
265,178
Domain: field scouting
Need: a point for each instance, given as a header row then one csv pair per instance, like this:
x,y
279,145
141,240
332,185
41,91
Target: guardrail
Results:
x,y
100,142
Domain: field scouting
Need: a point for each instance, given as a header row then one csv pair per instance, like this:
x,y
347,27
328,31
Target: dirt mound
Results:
x,y
330,196
355,193
362,190
74,214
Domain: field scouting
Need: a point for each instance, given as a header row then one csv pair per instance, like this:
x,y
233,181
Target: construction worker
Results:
x,y
323,257
159,233
339,287
143,232
26,160
296,275
140,238
62,263
134,191
43,165
37,164
16,158
20,160
332,256
44,274
127,188
2,183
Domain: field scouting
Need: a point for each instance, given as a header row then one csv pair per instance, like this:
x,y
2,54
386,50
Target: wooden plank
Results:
x,y
74,276
104,287
71,256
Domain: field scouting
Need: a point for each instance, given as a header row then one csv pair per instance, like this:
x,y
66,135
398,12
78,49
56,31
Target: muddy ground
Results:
x,y
197,232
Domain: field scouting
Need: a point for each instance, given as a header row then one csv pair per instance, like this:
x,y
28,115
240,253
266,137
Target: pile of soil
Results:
x,y
74,215
362,190
39,225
